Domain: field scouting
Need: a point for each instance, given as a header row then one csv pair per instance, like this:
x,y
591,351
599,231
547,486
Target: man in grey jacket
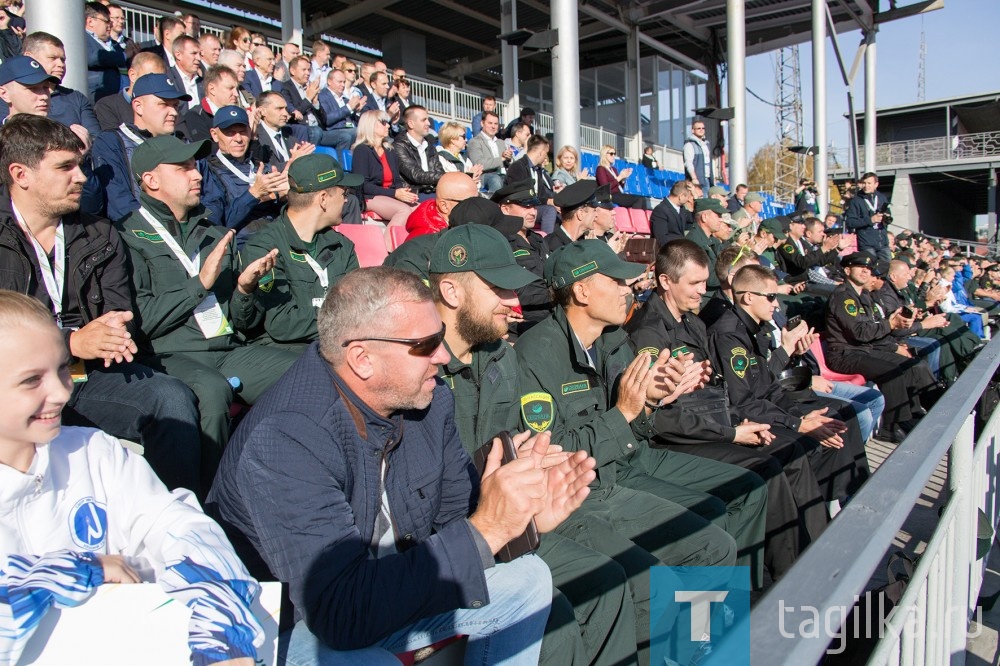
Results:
x,y
486,150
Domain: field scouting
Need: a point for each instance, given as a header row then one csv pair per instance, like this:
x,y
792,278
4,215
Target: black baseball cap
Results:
x,y
483,211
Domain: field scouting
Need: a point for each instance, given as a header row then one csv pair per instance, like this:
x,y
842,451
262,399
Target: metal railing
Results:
x,y
930,623
939,149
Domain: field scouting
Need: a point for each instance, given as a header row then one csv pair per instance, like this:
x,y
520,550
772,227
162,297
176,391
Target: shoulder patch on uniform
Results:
x,y
789,248
851,307
521,253
297,256
266,282
652,351
536,410
450,381
576,387
739,361
145,235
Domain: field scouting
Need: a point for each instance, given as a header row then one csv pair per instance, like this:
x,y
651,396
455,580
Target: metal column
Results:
x,y
566,74
291,21
870,103
991,208
633,95
64,19
736,57
819,103
508,54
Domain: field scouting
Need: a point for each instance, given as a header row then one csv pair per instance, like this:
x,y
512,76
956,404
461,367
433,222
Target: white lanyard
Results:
x,y
870,204
52,275
130,134
249,180
191,264
324,278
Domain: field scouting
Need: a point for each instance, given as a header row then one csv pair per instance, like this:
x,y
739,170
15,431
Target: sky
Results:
x,y
962,46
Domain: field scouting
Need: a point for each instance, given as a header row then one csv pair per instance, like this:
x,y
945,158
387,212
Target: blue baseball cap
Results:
x,y
228,116
24,70
160,85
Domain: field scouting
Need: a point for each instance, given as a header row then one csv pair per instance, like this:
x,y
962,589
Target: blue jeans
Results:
x,y
868,404
928,349
546,217
131,401
506,631
491,182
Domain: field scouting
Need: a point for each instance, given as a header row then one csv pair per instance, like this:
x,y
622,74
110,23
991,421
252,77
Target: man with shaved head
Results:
x,y
260,77
211,47
113,110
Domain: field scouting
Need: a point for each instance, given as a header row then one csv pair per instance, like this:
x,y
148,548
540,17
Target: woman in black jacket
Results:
x,y
373,158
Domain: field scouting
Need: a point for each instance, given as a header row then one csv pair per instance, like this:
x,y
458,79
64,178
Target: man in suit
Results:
x,y
113,110
302,96
671,217
532,168
280,139
104,56
379,99
341,111
67,106
289,51
167,30
185,72
486,150
210,47
220,90
259,78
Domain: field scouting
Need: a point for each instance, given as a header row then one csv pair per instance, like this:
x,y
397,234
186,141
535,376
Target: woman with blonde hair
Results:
x,y
374,159
608,175
451,145
567,168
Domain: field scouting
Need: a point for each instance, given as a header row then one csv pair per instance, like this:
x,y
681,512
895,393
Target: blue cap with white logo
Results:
x,y
24,70
228,116
160,85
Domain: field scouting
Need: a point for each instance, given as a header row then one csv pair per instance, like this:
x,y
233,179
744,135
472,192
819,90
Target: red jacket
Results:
x,y
425,219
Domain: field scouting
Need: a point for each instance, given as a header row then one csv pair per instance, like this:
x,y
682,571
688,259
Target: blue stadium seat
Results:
x,y
346,160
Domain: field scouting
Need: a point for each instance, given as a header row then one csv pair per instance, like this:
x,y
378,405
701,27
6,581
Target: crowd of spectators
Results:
x,y
173,275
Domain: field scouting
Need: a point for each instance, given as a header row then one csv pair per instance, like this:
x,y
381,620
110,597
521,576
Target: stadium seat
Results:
x,y
329,151
826,373
640,221
345,160
369,243
397,235
623,222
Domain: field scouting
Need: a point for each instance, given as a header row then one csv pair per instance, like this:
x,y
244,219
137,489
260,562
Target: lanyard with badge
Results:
x,y
321,274
208,314
138,140
53,277
249,180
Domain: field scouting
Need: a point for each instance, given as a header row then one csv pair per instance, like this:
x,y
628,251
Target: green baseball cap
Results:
x,y
167,149
713,205
482,250
773,225
319,171
753,197
573,262
716,190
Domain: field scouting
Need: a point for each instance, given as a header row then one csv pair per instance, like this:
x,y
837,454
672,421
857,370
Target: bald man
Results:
x,y
260,77
113,110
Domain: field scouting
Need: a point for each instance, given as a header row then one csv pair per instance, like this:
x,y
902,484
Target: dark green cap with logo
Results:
x,y
319,171
482,250
713,205
773,224
573,262
167,149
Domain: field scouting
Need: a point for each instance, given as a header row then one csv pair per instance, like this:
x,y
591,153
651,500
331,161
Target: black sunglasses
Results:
x,y
770,297
384,122
418,346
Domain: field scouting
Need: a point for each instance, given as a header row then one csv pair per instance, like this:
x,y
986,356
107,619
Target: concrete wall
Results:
x,y
941,213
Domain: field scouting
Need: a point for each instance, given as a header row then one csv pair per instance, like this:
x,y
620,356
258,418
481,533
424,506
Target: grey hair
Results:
x,y
359,306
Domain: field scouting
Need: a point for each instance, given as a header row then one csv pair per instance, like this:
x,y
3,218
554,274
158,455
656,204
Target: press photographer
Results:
x,y
868,217
807,197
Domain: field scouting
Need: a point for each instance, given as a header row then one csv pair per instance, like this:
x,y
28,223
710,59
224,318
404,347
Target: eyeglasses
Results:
x,y
102,19
418,346
770,297
245,39
612,153
350,69
258,44
383,122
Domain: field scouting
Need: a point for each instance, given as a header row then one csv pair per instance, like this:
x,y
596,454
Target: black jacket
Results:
x,y
522,169
410,168
668,224
367,164
97,279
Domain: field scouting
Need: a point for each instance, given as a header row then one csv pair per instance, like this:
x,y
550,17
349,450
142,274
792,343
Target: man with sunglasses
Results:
x,y
312,255
473,276
741,351
349,483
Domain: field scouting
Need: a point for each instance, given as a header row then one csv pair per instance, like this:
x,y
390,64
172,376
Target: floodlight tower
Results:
x,y
789,166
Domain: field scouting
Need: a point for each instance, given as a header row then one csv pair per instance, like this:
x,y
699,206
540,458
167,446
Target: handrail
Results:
x,y
937,149
840,563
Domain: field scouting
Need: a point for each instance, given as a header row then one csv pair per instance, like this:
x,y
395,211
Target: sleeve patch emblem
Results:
x,y
266,282
652,351
537,410
851,307
576,387
739,361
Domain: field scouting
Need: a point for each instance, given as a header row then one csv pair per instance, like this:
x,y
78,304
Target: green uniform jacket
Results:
x,y
414,255
562,393
289,292
166,296
713,246
486,393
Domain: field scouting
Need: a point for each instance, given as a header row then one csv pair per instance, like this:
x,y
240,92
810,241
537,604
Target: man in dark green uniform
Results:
x,y
193,300
312,255
473,277
580,380
519,200
577,210
707,223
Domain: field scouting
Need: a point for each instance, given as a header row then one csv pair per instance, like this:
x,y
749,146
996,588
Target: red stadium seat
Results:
x,y
640,220
826,373
622,220
853,247
397,235
369,243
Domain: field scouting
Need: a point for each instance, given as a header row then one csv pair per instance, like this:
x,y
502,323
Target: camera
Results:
x,y
886,214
